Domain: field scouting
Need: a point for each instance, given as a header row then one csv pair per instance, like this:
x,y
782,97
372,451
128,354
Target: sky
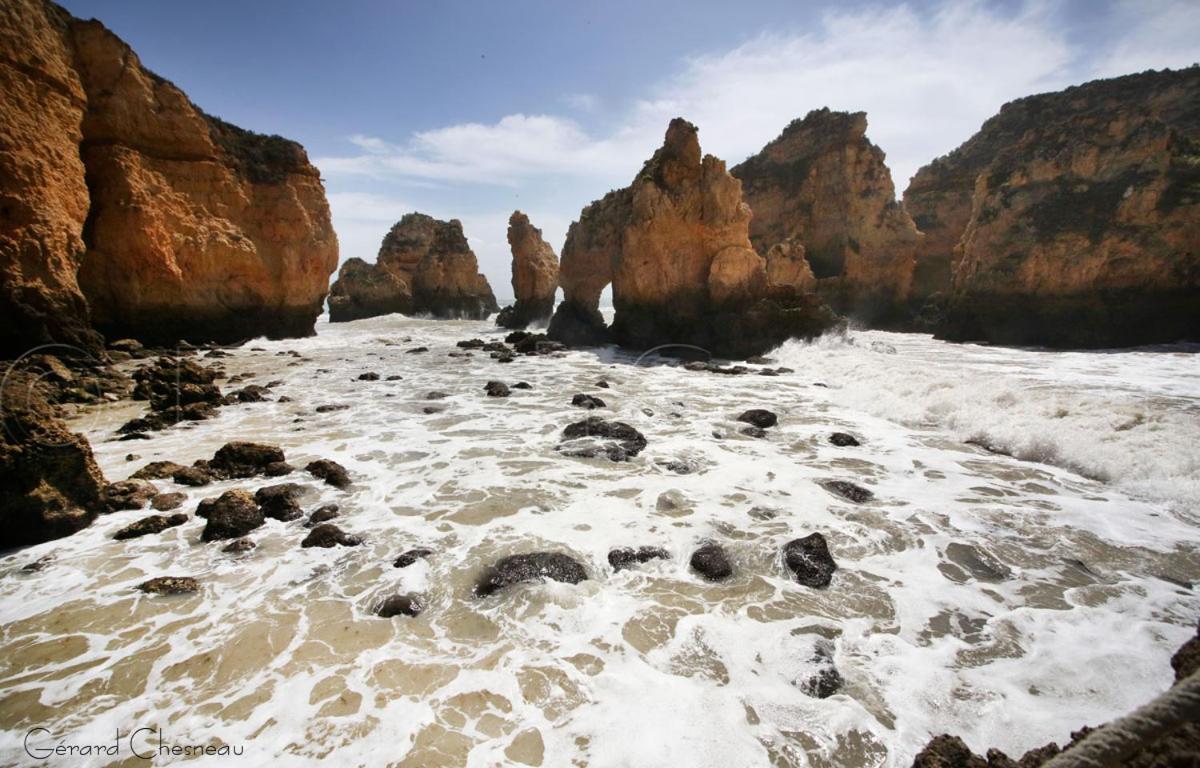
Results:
x,y
471,110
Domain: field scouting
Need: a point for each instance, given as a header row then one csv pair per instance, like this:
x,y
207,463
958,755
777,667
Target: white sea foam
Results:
x,y
1092,523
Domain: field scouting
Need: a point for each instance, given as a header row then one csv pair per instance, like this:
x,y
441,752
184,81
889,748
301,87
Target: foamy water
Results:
x,y
1092,522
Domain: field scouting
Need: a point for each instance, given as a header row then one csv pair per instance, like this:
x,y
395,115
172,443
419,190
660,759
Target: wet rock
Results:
x,y
627,557
755,432
416,350
328,535
711,562
193,476
589,402
602,384
149,525
614,439
429,410
436,395
231,515
497,389
139,425
128,494
411,556
331,407
848,490
759,417
157,470
279,502
471,344
244,459
1186,660
237,546
168,501
253,394
503,357
947,751
843,440
330,471
978,562
809,559
401,605
516,569
170,585
322,514
368,376
394,377
278,469
522,385
826,681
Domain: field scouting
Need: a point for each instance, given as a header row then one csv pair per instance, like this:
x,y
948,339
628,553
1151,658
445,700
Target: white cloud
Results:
x,y
1159,33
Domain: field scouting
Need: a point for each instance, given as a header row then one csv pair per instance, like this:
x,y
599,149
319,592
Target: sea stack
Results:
x,y
675,245
424,266
823,185
534,275
1071,219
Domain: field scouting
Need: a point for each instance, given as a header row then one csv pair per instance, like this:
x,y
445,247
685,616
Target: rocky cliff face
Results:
x,y
1082,217
675,245
425,265
534,275
823,184
121,194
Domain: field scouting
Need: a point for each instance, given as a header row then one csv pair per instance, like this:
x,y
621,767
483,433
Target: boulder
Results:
x,y
168,501
848,490
170,585
534,275
322,514
759,417
595,437
589,402
328,535
244,459
411,556
330,471
843,440
157,470
279,502
809,560
128,494
238,546
401,605
148,525
366,290
193,476
231,515
627,557
533,566
711,561
497,389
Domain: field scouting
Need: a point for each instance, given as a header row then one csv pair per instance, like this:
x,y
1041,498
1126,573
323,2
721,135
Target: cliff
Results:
x,y
430,269
534,275
676,247
127,209
1082,217
823,184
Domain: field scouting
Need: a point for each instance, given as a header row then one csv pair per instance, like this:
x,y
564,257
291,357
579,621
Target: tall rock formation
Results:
x,y
424,266
120,194
534,275
1079,214
823,184
675,245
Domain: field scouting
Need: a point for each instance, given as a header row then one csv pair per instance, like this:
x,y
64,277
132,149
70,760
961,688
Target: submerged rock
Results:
x,y
231,515
759,417
411,556
170,585
711,561
594,437
589,402
627,557
149,525
497,389
330,471
848,490
843,440
322,514
533,566
401,605
329,535
826,681
238,546
809,559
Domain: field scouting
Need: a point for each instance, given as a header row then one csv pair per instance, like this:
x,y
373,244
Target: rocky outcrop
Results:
x,y
534,275
824,186
127,209
50,485
675,245
1074,217
425,266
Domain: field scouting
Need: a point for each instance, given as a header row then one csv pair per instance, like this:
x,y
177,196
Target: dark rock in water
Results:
x,y
522,385
436,395
627,557
711,562
400,605
322,514
278,469
471,344
848,490
244,459
330,471
135,436
589,402
329,535
516,336
138,425
253,394
429,410
157,470
503,357
529,567
759,360
128,494
843,440
231,515
602,384
412,556
1186,660
279,502
167,501
193,476
331,407
947,751
497,389
755,432
368,376
681,466
148,525
170,585
625,441
759,417
237,546
826,681
809,559
394,377
416,350
979,563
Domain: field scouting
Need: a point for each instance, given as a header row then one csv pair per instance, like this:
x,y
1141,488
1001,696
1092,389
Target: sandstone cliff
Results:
x,y
534,275
823,184
430,269
675,245
118,190
1082,217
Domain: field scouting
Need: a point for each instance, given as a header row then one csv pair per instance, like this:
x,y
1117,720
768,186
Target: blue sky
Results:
x,y
471,109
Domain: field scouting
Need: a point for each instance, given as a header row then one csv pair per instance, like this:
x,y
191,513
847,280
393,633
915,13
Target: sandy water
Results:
x,y
1007,599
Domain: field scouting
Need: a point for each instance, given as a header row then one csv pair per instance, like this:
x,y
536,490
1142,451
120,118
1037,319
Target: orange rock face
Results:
x,y
430,270
534,275
824,185
675,245
194,227
1084,222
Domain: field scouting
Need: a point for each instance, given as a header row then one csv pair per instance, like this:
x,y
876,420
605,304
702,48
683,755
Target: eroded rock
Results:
x,y
533,566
